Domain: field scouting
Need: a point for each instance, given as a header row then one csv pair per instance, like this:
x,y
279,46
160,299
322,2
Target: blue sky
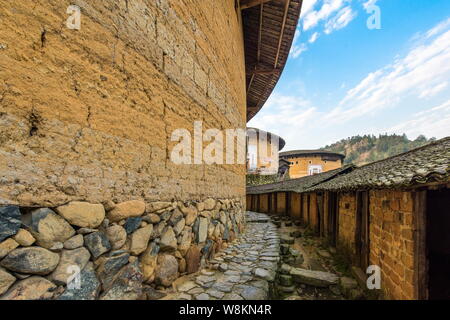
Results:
x,y
344,79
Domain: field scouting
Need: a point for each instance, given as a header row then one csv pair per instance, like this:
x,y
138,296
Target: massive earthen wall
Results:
x,y
86,118
88,114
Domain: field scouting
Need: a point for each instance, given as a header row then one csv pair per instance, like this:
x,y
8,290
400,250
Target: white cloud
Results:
x,y
434,122
340,20
315,16
307,7
297,47
369,3
313,37
431,92
423,72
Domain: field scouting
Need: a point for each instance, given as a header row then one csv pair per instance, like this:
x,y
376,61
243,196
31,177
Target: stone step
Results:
x,y
313,278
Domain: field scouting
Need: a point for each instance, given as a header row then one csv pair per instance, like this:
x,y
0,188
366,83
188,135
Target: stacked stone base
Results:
x,y
130,250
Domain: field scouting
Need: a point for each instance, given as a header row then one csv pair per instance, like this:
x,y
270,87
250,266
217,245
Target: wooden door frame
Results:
x,y
420,245
362,225
333,217
320,212
287,203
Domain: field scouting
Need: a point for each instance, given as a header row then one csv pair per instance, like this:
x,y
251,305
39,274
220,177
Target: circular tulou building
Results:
x,y
310,162
263,151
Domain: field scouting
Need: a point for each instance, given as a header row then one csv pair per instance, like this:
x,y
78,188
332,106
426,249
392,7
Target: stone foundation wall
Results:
x,y
87,115
392,241
129,250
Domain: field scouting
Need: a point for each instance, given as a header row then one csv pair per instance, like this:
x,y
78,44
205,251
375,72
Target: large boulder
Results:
x,y
201,229
71,261
6,281
82,214
32,288
193,257
190,214
209,204
313,278
9,221
123,210
47,227
87,289
167,270
117,236
140,239
127,284
109,266
74,242
179,226
31,260
132,224
158,206
97,243
185,242
24,238
7,246
168,240
149,261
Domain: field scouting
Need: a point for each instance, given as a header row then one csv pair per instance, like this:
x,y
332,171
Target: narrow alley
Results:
x,y
274,258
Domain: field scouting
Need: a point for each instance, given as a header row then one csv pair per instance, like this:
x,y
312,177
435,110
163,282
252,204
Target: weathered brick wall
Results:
x,y
87,115
391,241
347,223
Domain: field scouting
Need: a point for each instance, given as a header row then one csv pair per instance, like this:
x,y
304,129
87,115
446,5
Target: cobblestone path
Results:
x,y
243,271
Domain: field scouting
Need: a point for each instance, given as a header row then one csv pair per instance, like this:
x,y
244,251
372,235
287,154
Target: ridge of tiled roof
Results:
x,y
309,152
298,184
426,164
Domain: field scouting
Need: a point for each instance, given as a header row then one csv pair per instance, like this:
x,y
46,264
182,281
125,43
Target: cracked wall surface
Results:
x,y
87,114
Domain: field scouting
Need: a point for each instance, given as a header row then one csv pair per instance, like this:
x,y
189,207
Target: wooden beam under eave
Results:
x,y
263,72
245,4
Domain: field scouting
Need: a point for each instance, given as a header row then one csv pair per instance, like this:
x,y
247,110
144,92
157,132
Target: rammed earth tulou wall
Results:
x,y
88,114
86,118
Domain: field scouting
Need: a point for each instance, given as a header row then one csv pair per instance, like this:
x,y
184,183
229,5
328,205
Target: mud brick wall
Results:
x,y
392,241
347,223
88,114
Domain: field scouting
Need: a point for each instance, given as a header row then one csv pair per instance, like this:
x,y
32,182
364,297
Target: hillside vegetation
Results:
x,y
369,148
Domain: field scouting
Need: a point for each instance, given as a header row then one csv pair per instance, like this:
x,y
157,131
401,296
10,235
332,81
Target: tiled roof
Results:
x,y
300,184
430,163
269,30
310,152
